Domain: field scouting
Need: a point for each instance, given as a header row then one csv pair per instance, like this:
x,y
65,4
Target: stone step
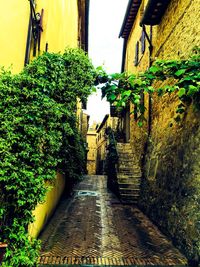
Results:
x,y
129,172
128,159
129,185
125,152
123,144
129,163
124,176
134,192
129,181
130,189
128,169
129,196
129,175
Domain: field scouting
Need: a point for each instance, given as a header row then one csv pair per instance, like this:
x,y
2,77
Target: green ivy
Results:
x,y
171,200
38,136
182,78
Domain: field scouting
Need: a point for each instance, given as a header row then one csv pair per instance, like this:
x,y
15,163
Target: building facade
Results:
x,y
28,28
34,26
167,151
102,141
92,150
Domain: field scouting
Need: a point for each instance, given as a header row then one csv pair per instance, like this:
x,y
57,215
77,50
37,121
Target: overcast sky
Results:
x,y
105,48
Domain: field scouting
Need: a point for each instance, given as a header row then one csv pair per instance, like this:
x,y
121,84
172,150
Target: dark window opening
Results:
x,y
136,54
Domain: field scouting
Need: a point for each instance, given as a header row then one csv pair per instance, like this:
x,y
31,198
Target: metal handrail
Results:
x,y
115,142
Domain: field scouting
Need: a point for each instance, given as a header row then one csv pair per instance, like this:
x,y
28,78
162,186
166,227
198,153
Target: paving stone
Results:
x,y
95,228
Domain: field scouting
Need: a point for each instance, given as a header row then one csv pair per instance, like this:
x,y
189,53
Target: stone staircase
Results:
x,y
128,174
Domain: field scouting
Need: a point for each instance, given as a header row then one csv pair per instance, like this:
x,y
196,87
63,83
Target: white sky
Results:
x,y
105,48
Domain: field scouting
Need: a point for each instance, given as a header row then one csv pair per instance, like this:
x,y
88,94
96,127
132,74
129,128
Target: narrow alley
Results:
x,y
93,227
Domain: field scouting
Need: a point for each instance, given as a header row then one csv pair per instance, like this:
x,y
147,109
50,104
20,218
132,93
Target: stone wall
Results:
x,y
179,30
91,155
170,191
171,183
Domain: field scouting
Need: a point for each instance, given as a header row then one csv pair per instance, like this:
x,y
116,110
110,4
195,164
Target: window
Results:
x,y
136,54
142,40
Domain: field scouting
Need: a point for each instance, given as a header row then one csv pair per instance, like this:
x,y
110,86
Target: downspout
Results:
x,y
28,40
150,64
87,5
124,55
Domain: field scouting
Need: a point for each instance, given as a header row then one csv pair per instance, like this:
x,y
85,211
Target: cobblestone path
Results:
x,y
94,228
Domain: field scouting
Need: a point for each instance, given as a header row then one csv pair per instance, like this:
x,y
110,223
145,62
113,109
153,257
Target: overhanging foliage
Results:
x,y
38,136
181,77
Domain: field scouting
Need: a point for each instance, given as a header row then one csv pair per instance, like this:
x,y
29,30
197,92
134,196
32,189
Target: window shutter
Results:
x,y
136,54
143,42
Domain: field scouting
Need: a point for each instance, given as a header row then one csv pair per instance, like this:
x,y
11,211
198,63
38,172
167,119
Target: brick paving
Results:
x,y
94,228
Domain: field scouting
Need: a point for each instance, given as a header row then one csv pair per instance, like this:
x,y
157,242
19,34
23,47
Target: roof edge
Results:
x,y
125,17
154,12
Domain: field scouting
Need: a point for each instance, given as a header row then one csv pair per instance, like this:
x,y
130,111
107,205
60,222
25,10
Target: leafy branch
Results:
x,y
38,136
178,76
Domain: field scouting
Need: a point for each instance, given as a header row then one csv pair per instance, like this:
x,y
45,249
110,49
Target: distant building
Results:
x,y
102,141
92,150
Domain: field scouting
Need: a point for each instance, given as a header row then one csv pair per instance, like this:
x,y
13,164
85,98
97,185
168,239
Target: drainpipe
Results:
x,y
28,40
150,64
124,55
87,6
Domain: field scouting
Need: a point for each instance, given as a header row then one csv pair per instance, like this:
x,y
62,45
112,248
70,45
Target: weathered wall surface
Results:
x,y
92,152
102,141
138,136
171,185
60,24
43,211
179,30
171,188
14,19
60,30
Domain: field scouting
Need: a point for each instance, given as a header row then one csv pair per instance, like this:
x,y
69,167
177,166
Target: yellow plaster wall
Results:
x,y
60,28
14,20
44,211
60,24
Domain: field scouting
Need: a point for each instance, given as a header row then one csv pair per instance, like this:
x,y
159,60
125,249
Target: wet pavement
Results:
x,y
94,228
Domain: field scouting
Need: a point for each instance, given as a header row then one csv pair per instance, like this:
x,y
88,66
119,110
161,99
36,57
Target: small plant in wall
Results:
x,y
180,77
38,136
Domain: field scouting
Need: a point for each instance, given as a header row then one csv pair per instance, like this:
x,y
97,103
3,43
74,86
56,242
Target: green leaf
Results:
x,y
93,89
192,90
180,72
111,97
154,69
181,92
126,93
136,101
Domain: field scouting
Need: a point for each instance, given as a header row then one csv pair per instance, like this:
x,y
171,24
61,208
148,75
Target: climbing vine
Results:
x,y
170,184
172,76
38,136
